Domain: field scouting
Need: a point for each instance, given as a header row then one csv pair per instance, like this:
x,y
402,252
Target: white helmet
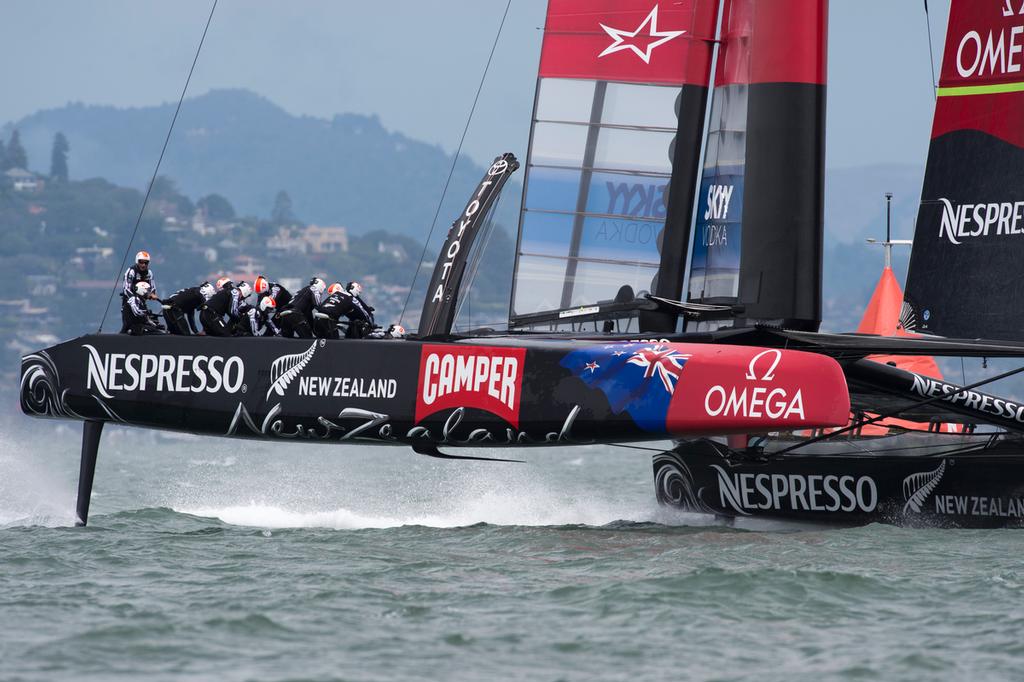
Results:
x,y
142,289
355,288
318,285
244,290
207,291
223,282
268,305
396,331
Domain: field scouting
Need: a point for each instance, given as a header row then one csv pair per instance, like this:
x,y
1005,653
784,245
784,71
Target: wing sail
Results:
x,y
964,277
614,149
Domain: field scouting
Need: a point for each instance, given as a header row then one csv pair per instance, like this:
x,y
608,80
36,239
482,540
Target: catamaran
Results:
x,y
620,331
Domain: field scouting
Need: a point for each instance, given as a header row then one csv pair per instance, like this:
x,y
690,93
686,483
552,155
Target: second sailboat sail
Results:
x,y
614,149
759,235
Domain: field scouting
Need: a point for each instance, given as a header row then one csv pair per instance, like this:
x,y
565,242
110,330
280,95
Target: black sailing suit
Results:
x,y
255,322
282,297
297,318
360,316
139,322
132,276
225,303
180,309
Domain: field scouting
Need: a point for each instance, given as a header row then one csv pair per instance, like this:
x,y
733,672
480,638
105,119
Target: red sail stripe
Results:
x,y
574,40
780,41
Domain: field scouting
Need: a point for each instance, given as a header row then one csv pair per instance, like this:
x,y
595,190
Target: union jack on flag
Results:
x,y
662,361
636,378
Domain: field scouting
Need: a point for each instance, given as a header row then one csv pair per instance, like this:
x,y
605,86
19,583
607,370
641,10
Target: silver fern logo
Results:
x,y
286,368
908,317
917,487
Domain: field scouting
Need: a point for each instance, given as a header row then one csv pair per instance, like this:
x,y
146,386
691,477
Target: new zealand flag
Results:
x,y
639,378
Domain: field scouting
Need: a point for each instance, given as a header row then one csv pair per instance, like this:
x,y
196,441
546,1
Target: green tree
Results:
x,y
59,158
16,156
282,212
3,157
166,189
216,207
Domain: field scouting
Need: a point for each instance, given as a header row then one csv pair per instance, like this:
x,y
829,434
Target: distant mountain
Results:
x,y
351,171
348,170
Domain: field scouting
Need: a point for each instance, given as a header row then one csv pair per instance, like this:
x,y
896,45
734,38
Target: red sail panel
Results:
x,y
633,41
982,83
782,41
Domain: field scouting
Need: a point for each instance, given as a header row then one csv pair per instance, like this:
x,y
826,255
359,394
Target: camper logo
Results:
x,y
633,40
481,377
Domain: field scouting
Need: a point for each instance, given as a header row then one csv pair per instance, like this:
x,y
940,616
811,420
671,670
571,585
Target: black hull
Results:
x,y
981,486
480,393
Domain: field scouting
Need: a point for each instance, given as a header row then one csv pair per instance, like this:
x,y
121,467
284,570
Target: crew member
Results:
x,y
226,303
327,314
259,320
141,321
180,308
360,315
264,287
139,272
297,318
394,331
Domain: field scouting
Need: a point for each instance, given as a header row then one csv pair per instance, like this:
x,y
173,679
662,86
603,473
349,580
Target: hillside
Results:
x,y
348,170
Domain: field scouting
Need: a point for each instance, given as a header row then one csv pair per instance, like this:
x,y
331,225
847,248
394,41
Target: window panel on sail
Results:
x,y
628,104
726,148
600,238
553,189
564,99
625,194
640,150
546,234
558,144
598,281
729,108
615,239
538,285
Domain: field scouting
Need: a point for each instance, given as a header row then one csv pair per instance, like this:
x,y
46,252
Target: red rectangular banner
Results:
x,y
482,377
636,41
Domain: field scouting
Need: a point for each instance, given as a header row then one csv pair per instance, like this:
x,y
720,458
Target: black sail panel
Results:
x,y
964,279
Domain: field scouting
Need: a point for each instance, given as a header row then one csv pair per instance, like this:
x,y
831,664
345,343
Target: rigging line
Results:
x,y
931,53
894,413
455,159
156,170
639,447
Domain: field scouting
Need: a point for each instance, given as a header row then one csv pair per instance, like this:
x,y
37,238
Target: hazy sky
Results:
x,y
416,64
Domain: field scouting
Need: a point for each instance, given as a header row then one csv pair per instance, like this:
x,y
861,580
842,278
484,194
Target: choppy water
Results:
x,y
210,559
